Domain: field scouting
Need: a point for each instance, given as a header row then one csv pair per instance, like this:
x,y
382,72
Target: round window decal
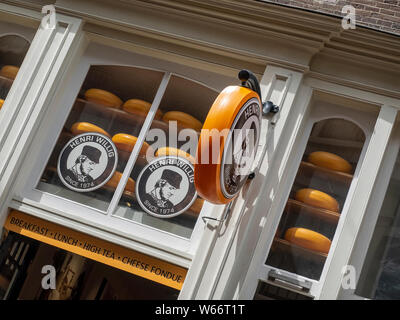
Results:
x,y
87,162
165,187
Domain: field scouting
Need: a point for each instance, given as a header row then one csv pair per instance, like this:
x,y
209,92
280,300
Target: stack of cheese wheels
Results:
x,y
140,107
169,151
183,120
103,97
113,182
84,127
126,142
317,199
9,71
1,103
330,161
308,239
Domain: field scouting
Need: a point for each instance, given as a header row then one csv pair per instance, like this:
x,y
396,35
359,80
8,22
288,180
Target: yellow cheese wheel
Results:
x,y
220,118
330,161
183,119
103,97
113,182
83,127
308,239
317,199
126,142
197,205
169,151
1,103
141,107
9,71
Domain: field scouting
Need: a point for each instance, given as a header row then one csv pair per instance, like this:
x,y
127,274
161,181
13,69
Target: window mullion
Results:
x,y
373,210
135,152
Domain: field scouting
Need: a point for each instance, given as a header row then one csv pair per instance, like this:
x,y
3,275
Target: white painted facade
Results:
x,y
307,64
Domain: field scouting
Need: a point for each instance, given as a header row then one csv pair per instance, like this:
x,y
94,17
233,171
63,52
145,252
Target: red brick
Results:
x,y
388,12
372,9
369,20
384,6
384,23
363,13
367,2
388,30
389,18
379,14
394,2
359,6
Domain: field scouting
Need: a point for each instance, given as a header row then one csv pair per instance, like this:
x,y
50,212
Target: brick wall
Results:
x,y
378,14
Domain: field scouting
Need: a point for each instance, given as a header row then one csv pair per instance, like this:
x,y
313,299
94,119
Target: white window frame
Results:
x,y
221,254
371,215
147,239
23,102
351,226
258,271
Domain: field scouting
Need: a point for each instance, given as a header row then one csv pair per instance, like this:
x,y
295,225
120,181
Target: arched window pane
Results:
x,y
13,49
308,224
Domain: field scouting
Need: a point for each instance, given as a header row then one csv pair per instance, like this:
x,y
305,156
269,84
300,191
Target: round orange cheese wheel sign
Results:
x,y
227,145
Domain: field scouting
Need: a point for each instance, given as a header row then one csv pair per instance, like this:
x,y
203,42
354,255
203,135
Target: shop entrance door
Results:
x,y
16,253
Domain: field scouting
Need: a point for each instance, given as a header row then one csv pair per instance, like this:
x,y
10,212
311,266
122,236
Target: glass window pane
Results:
x,y
13,49
174,131
312,212
104,105
380,277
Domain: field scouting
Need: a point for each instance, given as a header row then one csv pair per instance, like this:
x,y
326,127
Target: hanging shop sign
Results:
x,y
87,162
165,187
96,249
228,143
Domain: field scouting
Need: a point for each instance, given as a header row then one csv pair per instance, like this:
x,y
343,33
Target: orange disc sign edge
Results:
x,y
221,116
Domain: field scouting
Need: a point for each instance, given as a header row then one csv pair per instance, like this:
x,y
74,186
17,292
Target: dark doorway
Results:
x,y
77,278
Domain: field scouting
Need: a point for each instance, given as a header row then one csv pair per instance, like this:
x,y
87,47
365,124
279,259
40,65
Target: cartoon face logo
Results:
x,y
240,149
87,162
165,187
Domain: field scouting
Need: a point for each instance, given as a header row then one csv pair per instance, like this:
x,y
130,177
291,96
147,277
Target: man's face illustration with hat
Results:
x,y
169,182
88,159
241,152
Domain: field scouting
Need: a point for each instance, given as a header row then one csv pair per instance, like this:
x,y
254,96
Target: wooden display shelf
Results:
x,y
126,193
121,115
297,206
287,247
309,169
337,142
193,211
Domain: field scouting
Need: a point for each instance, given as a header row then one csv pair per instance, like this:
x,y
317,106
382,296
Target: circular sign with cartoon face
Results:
x,y
240,148
87,162
165,187
228,144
